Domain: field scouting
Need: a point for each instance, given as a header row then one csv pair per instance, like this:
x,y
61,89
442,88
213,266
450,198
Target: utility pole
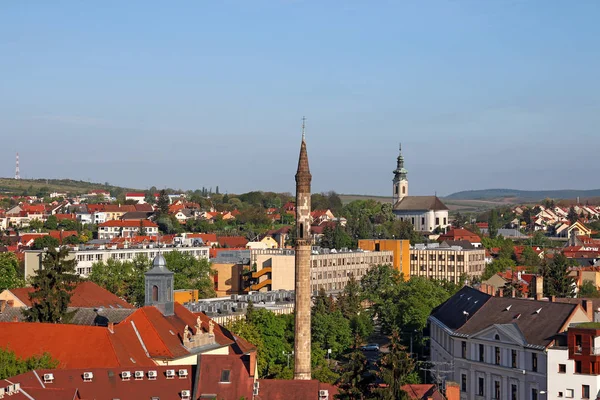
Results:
x,y
17,172
288,355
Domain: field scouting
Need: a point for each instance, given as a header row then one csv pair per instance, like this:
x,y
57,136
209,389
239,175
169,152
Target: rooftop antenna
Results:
x,y
17,173
303,126
400,147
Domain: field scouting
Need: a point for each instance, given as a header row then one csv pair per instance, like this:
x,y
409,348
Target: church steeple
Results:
x,y
400,182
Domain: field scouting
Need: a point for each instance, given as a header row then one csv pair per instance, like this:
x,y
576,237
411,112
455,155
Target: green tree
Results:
x,y
493,224
191,273
529,257
396,369
11,365
557,281
53,285
52,222
72,240
163,202
572,215
498,265
355,380
45,242
588,289
36,224
9,272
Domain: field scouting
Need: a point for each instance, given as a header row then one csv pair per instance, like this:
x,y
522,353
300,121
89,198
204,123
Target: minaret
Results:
x,y
303,249
400,182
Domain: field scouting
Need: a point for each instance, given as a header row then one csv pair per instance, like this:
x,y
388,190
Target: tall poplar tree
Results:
x,y
53,286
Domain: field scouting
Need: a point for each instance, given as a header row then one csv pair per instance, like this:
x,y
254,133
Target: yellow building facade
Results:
x,y
400,248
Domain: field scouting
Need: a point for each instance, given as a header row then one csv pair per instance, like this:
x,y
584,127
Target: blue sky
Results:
x,y
183,94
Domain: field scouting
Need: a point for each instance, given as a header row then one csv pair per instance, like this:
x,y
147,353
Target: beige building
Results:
x,y
437,261
330,269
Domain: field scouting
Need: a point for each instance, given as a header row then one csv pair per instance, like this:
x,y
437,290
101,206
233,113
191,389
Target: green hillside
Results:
x,y
42,186
522,196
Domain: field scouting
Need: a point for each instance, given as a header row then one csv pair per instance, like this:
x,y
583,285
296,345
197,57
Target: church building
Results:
x,y
425,213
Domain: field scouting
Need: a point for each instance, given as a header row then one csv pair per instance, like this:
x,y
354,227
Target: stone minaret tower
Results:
x,y
400,181
159,286
302,347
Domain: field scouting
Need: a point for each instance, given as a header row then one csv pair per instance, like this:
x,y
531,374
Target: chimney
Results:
x,y
452,391
539,287
111,327
501,292
552,299
513,293
589,310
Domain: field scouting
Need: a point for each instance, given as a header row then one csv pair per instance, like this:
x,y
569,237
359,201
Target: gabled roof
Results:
x,y
460,234
232,241
420,203
422,392
452,312
85,294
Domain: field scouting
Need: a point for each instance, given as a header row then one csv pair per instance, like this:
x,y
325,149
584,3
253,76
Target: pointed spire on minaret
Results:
x,y
303,168
303,126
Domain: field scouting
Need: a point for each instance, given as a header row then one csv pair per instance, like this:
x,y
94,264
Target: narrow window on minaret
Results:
x,y
301,231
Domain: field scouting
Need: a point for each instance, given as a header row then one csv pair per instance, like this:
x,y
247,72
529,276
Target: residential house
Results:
x,y
112,229
136,196
461,234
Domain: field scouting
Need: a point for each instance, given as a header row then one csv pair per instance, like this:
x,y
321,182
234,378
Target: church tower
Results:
x,y
302,368
400,182
159,286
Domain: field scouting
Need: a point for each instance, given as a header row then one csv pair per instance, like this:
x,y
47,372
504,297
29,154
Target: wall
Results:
x,y
400,248
229,277
560,382
7,296
184,296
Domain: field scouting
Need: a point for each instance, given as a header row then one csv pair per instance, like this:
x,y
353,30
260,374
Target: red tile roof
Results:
x,y
115,208
143,207
86,294
271,389
460,234
129,223
62,234
207,238
28,238
135,195
232,241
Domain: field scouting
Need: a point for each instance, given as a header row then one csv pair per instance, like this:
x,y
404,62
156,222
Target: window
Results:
x,y
534,394
445,221
513,356
577,343
154,293
463,383
437,221
496,390
513,392
403,189
413,220
585,391
225,376
463,345
481,387
560,394
569,393
577,367
481,353
562,368
301,231
422,220
534,362
497,360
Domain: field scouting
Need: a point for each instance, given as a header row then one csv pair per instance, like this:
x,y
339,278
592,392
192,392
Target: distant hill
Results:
x,y
31,186
519,196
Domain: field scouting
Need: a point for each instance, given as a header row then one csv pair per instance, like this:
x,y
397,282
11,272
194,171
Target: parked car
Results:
x,y
370,347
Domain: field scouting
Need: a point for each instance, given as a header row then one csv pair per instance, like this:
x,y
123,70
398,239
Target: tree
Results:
x,y
52,222
9,272
11,365
72,240
572,215
557,281
493,224
355,381
529,257
396,369
163,202
588,289
191,273
53,285
123,278
349,301
498,265
36,224
45,242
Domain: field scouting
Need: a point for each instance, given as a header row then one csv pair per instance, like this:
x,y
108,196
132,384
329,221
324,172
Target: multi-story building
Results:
x,y
497,347
114,229
330,269
87,256
574,364
400,248
439,261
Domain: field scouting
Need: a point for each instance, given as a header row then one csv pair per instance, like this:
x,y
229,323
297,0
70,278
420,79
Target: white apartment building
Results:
x,y
497,347
86,257
439,261
128,228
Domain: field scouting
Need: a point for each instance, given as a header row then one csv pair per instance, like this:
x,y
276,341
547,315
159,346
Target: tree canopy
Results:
x,y
10,276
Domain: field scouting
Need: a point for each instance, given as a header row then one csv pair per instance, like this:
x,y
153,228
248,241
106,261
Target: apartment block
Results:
x,y
440,261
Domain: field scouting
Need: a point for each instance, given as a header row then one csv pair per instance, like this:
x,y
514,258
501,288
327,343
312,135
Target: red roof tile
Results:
x,y
232,241
129,223
271,389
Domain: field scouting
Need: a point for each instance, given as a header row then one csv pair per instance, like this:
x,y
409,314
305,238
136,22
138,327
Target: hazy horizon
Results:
x,y
481,94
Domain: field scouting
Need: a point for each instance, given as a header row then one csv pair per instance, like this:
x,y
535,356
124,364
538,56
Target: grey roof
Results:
x,y
159,266
77,315
484,311
506,232
420,203
465,244
136,215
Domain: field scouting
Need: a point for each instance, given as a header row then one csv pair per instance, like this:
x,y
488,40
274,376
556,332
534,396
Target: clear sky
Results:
x,y
482,94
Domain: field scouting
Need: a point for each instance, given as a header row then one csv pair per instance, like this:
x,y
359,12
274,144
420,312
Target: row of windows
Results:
x,y
131,255
332,262
514,391
498,356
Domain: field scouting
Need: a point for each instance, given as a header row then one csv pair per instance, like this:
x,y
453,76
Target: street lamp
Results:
x,y
328,353
288,356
